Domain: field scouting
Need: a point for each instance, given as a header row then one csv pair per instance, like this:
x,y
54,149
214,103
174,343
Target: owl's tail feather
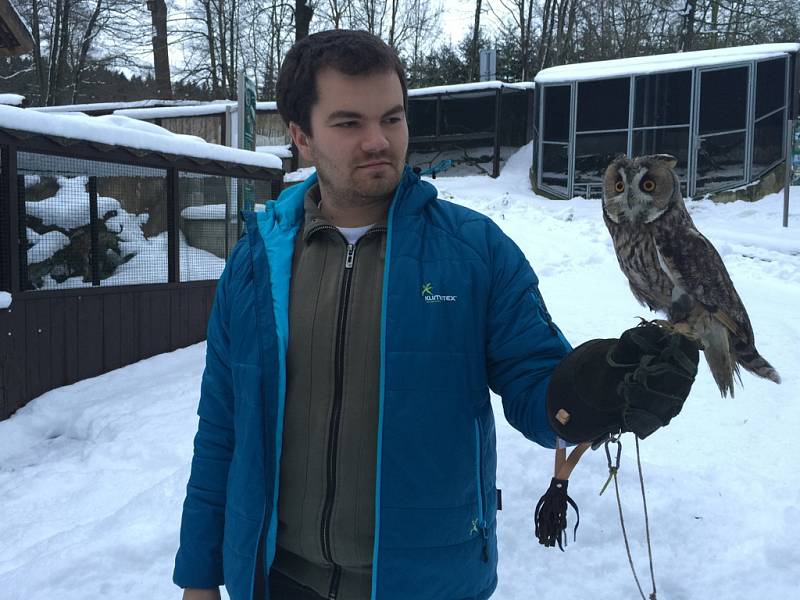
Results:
x,y
752,361
717,350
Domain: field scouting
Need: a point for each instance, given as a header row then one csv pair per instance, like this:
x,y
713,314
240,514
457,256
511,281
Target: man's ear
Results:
x,y
301,139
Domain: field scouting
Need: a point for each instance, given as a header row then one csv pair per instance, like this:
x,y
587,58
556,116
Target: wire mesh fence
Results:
x,y
210,225
91,223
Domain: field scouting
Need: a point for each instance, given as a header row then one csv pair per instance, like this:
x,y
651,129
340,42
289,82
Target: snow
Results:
x,y
69,208
642,65
5,300
111,106
93,475
12,99
461,88
282,151
196,110
111,129
301,174
45,245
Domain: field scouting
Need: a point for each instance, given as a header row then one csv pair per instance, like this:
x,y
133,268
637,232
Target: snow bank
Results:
x,y
93,475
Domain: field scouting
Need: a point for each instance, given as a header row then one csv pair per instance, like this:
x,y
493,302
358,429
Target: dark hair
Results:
x,y
347,51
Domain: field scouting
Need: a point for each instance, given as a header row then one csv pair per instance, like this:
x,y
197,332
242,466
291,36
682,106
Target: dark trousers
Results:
x,y
280,586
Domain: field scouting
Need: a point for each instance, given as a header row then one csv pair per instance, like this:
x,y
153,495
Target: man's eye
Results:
x,y
345,124
393,120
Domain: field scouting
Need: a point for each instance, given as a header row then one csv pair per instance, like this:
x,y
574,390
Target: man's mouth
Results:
x,y
374,164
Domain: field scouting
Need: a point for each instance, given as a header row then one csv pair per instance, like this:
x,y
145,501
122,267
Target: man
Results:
x,y
346,443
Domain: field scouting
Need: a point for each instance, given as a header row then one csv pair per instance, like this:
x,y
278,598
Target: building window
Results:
x,y
664,140
422,116
555,167
663,99
603,104
556,113
594,152
720,161
768,142
770,86
723,100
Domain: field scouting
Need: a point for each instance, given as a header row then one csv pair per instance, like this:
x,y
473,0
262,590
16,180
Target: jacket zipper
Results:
x,y
336,411
481,524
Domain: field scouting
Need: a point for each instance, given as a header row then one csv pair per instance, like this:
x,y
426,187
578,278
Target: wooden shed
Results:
x,y
113,233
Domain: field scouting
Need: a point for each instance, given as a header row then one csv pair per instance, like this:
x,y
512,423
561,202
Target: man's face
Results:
x,y
360,136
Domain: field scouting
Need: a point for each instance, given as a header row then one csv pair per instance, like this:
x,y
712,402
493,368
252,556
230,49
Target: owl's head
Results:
x,y
641,189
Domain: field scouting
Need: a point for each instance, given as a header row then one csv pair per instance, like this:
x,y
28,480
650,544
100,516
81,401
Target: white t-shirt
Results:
x,y
353,234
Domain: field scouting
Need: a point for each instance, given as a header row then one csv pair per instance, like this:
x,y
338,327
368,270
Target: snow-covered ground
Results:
x,y
92,475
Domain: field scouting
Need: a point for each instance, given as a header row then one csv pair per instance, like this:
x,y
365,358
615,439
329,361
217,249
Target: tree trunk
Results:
x,y
232,74
37,50
393,22
223,45
86,43
474,57
688,35
212,49
302,19
161,50
55,38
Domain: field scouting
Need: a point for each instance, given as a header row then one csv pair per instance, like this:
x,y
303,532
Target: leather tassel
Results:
x,y
550,516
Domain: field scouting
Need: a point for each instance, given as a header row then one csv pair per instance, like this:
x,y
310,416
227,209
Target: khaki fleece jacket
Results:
x,y
326,506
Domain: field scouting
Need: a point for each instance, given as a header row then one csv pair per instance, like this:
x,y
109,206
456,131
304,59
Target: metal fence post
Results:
x,y
173,234
94,231
789,173
496,158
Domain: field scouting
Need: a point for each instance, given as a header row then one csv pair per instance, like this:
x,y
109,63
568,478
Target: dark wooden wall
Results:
x,y
50,339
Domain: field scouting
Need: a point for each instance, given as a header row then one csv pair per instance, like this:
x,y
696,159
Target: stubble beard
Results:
x,y
361,189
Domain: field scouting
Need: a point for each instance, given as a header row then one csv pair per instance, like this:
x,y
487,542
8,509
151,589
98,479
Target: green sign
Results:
x,y
796,153
247,132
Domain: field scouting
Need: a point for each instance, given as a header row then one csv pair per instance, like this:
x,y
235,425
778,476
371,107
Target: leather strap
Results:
x,y
565,465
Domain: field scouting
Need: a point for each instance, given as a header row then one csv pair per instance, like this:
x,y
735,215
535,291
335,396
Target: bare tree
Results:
x,y
515,21
474,58
303,12
158,10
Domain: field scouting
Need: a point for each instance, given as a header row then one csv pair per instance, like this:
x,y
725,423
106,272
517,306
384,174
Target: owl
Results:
x,y
673,269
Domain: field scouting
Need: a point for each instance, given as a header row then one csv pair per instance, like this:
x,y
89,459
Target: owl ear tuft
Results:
x,y
667,159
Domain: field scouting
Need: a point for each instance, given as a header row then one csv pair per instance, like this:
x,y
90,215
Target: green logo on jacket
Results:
x,y
431,298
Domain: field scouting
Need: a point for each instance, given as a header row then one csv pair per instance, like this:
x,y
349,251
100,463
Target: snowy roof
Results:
x,y
111,106
208,108
116,130
464,88
282,151
641,65
11,99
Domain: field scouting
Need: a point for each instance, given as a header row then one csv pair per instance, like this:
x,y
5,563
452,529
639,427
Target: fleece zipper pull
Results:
x,y
351,256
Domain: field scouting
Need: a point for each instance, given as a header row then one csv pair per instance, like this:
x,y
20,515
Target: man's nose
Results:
x,y
375,139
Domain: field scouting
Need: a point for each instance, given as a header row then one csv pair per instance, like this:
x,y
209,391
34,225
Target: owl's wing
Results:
x,y
696,266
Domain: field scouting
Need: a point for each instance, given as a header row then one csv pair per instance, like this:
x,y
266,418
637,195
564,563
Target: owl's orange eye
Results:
x,y
619,187
648,185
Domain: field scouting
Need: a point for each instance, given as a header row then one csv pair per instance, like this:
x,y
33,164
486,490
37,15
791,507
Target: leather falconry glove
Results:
x,y
637,383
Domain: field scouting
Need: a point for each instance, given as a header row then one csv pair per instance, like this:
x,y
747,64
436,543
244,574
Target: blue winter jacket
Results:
x,y
461,314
